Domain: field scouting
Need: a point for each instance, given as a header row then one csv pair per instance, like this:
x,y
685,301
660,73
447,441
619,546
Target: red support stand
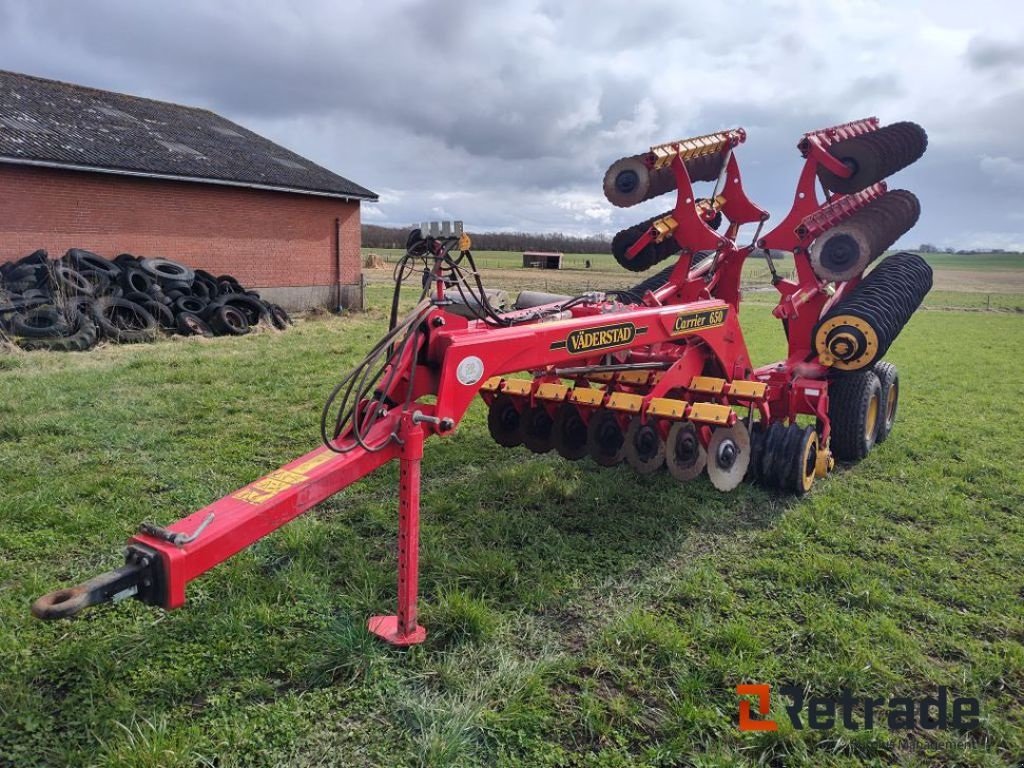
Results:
x,y
402,629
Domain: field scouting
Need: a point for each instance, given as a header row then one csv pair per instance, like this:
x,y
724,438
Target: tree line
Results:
x,y
394,237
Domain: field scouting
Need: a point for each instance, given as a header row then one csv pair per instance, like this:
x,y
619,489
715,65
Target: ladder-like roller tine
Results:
x,y
696,147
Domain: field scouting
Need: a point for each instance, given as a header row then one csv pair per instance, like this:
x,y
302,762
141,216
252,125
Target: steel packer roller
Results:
x,y
870,156
631,180
655,379
847,249
856,332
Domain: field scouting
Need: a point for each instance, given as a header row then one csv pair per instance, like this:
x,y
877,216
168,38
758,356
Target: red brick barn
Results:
x,y
114,173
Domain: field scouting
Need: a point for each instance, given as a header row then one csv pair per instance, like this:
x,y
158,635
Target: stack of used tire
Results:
x,y
74,302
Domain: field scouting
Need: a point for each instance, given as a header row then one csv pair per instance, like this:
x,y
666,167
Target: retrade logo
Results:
x,y
820,713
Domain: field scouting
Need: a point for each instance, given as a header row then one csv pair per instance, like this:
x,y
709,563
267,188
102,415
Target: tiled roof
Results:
x,y
46,122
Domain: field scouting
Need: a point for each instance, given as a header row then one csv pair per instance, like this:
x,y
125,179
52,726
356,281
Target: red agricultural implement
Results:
x,y
657,376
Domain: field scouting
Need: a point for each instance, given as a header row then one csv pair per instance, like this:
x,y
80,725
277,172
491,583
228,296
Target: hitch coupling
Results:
x,y
140,577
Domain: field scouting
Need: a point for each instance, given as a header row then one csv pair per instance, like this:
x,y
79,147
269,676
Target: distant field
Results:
x,y
983,281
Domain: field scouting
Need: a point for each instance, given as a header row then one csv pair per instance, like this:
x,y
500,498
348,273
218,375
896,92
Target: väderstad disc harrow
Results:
x,y
656,376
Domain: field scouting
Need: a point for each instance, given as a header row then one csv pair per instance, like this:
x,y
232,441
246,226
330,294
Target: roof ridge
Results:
x,y
101,91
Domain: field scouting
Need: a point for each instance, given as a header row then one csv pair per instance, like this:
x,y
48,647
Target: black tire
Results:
x,y
69,281
254,309
138,297
40,323
889,379
167,271
124,260
35,258
226,287
82,336
229,321
135,280
279,317
192,304
99,281
163,314
124,321
168,286
193,325
853,409
802,472
201,290
83,260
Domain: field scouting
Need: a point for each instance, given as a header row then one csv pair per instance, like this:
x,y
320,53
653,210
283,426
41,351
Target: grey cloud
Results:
x,y
506,114
986,53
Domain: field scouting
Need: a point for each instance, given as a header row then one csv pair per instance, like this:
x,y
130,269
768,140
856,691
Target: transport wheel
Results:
x,y
685,457
503,422
758,432
569,433
605,442
805,457
645,450
728,456
889,379
535,426
854,409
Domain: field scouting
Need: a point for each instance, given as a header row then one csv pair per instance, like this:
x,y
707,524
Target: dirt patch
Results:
x,y
1002,281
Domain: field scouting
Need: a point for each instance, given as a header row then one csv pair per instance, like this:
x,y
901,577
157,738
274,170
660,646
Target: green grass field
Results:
x,y
577,615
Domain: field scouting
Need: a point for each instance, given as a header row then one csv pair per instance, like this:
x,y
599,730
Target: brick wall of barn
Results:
x,y
282,244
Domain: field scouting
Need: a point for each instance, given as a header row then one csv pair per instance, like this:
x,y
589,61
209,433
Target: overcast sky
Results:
x,y
506,114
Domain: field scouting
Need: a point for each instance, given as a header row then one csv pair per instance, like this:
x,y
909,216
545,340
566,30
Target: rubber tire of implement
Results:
x,y
193,325
802,472
889,378
849,401
227,320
